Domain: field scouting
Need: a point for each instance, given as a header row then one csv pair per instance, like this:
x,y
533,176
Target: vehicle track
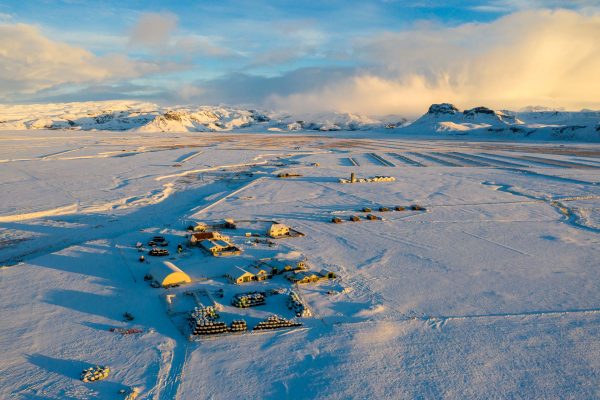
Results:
x,y
435,160
406,160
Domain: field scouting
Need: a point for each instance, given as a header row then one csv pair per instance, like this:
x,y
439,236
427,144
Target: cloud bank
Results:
x,y
531,57
30,63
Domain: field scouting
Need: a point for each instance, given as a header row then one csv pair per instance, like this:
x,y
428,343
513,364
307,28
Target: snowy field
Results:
x,y
492,291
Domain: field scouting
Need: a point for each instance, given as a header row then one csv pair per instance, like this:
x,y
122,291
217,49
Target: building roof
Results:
x,y
214,243
206,235
239,272
276,226
167,273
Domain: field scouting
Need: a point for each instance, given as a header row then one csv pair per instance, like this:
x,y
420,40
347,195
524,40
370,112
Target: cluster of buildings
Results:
x,y
214,243
292,268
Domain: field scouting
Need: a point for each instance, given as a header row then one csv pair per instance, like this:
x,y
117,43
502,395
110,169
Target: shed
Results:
x,y
168,274
278,230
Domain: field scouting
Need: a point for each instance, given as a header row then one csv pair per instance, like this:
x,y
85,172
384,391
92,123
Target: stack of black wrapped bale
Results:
x,y
238,326
245,300
275,322
203,322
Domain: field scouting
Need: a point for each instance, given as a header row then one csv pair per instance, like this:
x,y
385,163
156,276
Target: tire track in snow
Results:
x,y
516,314
497,243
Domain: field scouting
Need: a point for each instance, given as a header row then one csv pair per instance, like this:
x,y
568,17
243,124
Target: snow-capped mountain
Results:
x,y
447,119
148,117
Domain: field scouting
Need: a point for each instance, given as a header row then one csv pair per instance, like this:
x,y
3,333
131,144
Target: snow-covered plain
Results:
x,y
493,292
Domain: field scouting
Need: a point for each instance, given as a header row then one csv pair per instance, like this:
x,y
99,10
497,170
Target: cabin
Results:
x,y
239,275
278,230
197,237
167,274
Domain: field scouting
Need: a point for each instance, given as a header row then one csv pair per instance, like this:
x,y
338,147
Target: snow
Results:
x,y
481,122
532,123
493,291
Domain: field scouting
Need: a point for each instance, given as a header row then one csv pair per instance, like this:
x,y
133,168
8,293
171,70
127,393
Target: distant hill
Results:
x,y
442,119
147,117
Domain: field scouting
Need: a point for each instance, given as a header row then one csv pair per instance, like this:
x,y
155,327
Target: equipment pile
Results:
x,y
299,307
96,373
245,300
158,252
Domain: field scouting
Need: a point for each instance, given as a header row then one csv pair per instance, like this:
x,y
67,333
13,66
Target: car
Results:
x,y
417,207
371,217
383,209
336,220
399,208
366,209
158,252
354,218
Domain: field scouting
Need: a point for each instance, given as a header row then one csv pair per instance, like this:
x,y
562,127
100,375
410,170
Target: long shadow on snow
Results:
x,y
97,226
70,369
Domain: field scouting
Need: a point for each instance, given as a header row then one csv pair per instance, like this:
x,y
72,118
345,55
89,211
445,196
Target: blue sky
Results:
x,y
249,52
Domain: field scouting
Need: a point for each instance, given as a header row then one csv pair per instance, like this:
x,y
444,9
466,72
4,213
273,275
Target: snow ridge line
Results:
x,y
222,199
64,210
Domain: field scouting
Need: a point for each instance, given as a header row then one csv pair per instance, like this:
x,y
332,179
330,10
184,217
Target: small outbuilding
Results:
x,y
167,274
278,230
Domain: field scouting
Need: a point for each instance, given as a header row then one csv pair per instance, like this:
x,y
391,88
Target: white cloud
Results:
x,y
153,30
30,62
158,33
530,57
